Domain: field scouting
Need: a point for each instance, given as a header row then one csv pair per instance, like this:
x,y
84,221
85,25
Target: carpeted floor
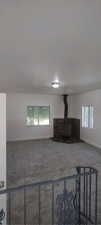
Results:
x,y
31,161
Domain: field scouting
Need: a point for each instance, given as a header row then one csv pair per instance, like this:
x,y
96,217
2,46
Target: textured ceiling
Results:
x,y
41,40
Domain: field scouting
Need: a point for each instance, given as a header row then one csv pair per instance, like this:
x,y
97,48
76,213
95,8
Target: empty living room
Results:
x,y
50,112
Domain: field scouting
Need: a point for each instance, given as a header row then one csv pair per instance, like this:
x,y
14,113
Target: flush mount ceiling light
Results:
x,y
55,84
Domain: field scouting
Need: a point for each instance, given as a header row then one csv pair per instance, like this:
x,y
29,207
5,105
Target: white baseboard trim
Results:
x,y
91,143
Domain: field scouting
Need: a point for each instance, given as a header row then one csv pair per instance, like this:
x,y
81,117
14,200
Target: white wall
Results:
x,y
16,115
92,136
3,138
3,150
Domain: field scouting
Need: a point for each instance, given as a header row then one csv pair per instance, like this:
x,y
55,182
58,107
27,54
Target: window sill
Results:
x,y
38,125
89,128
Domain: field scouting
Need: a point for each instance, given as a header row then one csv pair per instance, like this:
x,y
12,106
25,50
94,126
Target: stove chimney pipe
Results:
x,y
65,98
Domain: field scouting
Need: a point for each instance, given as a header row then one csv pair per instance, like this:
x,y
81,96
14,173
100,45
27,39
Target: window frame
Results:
x,y
38,125
89,119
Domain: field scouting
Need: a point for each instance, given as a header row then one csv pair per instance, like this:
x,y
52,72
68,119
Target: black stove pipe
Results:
x,y
65,98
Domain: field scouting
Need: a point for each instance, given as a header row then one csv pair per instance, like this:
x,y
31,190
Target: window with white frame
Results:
x,y
87,116
38,115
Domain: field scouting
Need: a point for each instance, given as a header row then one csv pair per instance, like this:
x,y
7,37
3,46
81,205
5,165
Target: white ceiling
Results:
x,y
41,40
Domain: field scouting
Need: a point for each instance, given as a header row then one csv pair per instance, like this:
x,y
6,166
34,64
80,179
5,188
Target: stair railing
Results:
x,y
70,200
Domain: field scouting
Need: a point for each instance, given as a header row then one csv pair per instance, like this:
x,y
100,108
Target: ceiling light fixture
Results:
x,y
55,84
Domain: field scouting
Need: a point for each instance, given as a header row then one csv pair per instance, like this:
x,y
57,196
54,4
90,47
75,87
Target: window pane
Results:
x,y
87,116
44,115
91,117
30,115
83,116
36,115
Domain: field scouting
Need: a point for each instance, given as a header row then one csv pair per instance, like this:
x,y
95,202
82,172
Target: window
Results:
x,y
38,115
87,116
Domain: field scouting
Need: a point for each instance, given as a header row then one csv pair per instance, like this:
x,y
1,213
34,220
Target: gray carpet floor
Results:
x,y
32,161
